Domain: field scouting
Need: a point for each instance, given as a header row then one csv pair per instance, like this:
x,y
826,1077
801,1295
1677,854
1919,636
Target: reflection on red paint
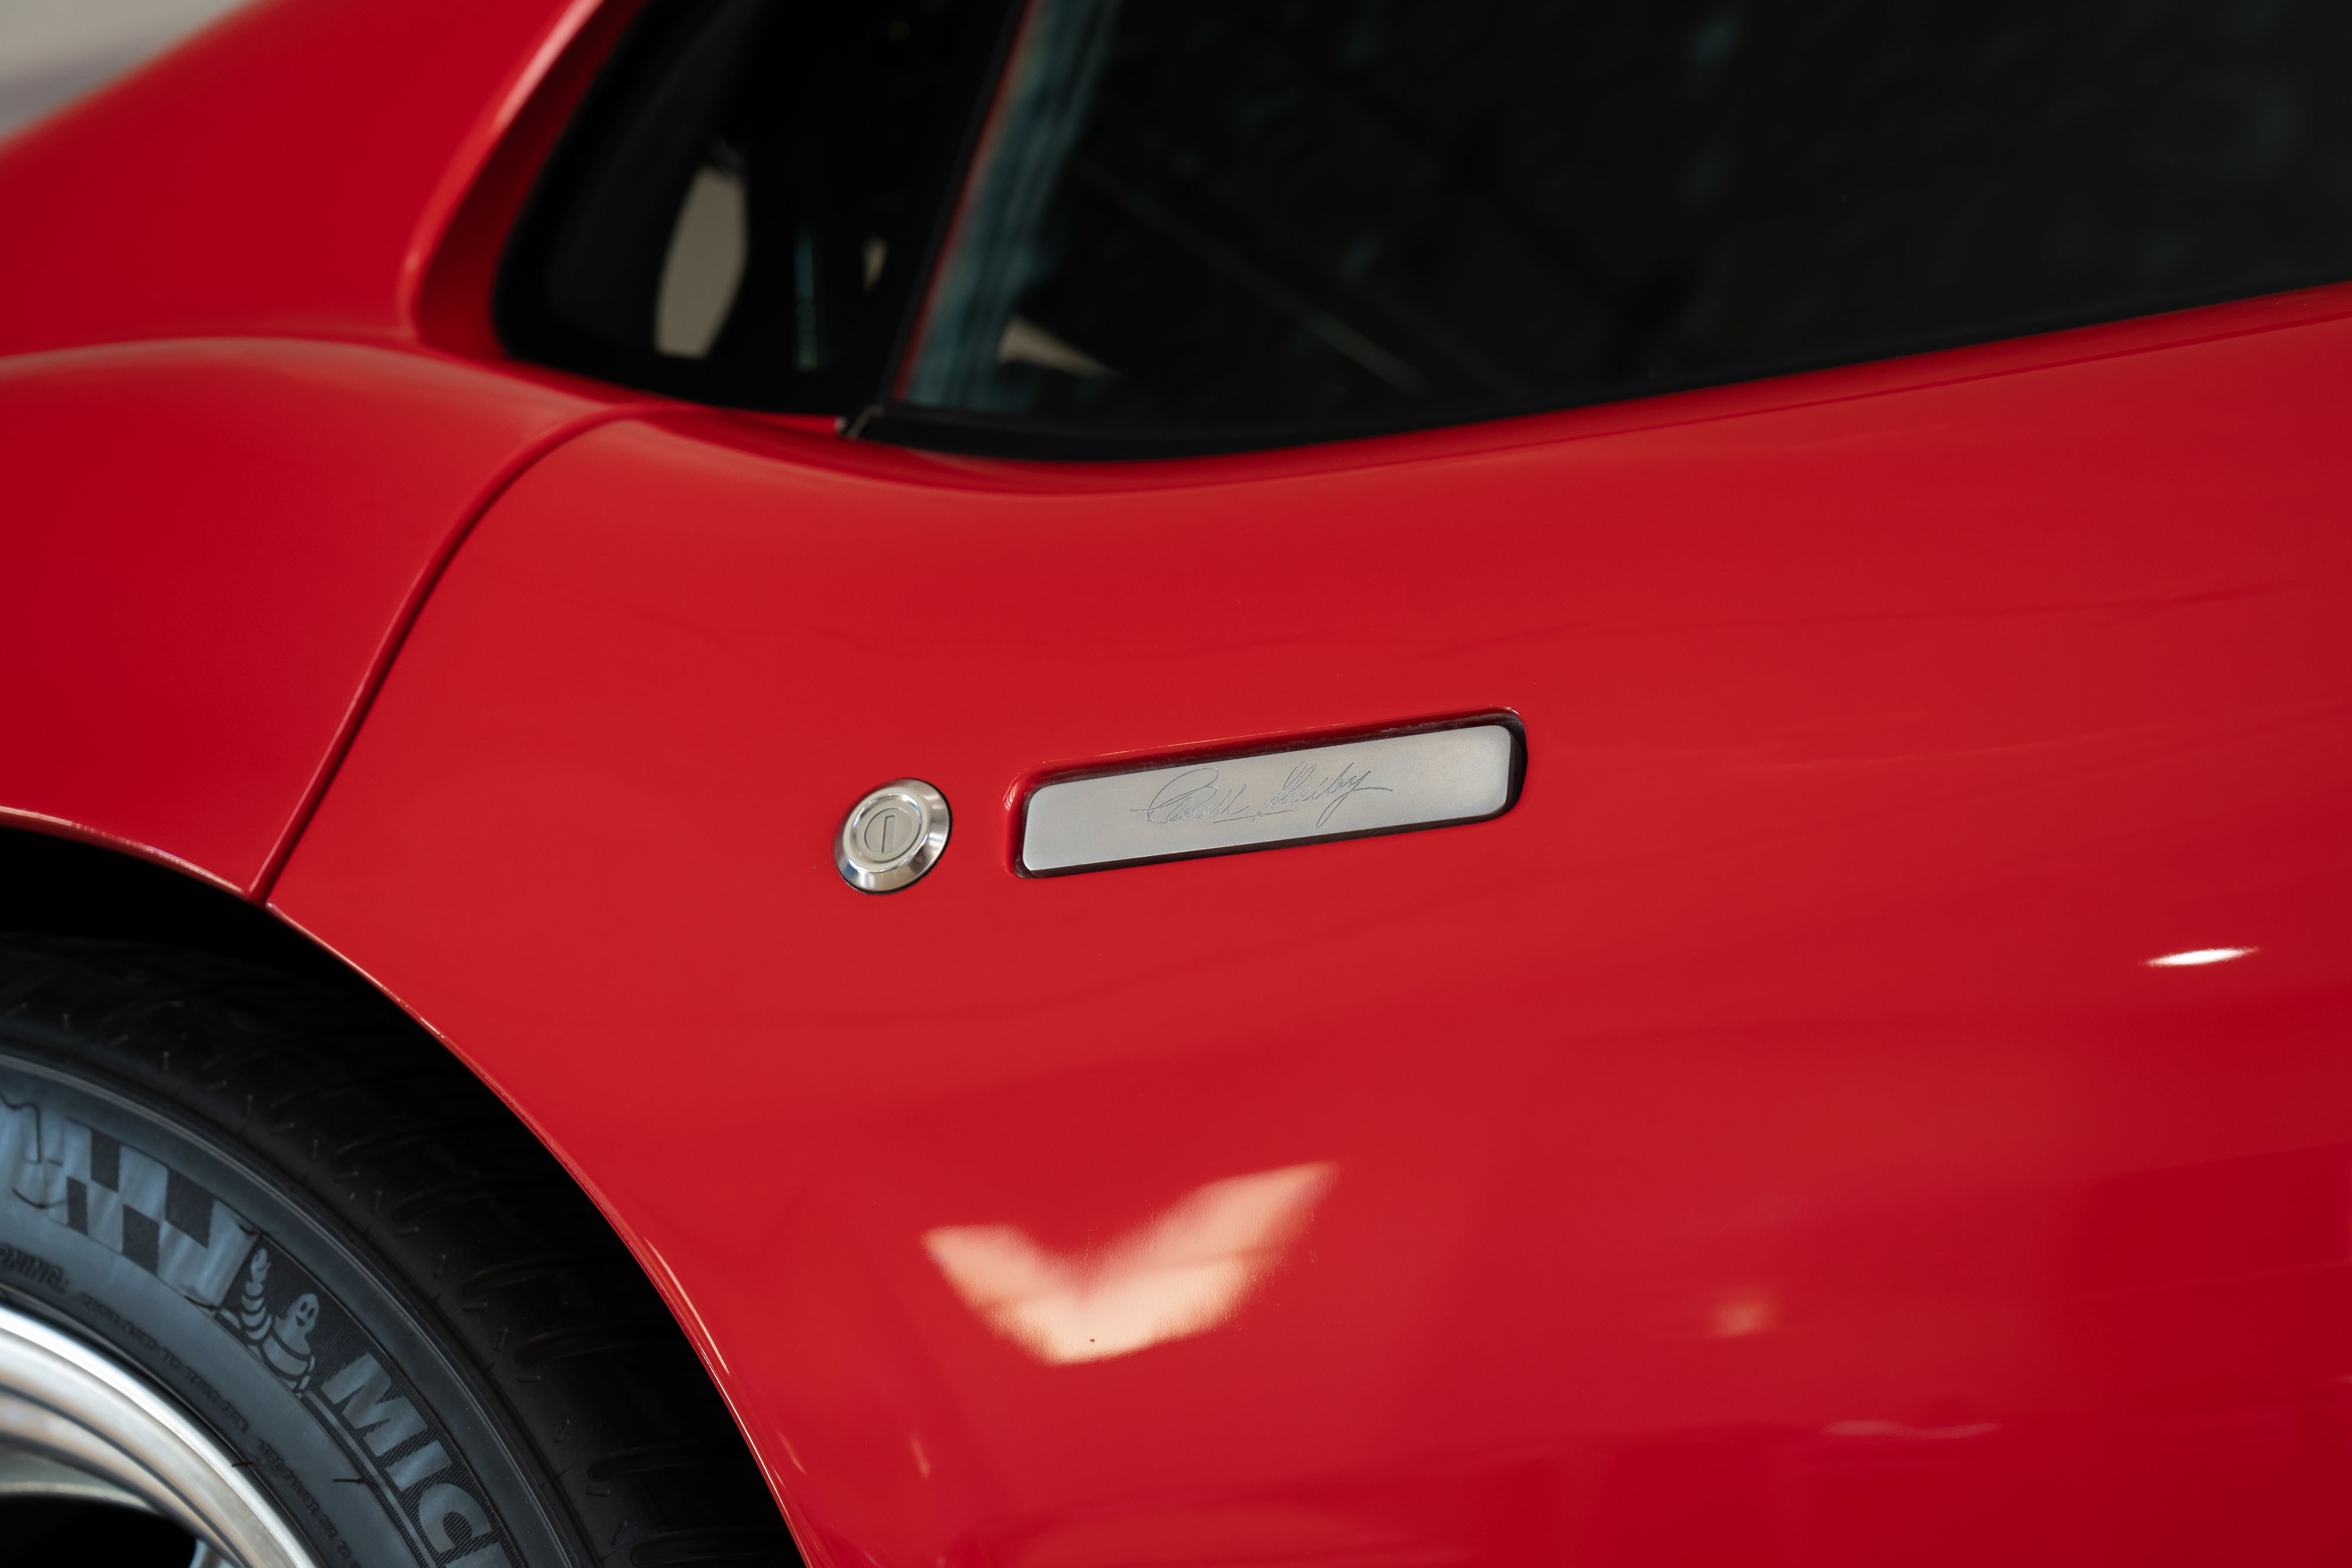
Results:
x,y
1181,1274
2197,958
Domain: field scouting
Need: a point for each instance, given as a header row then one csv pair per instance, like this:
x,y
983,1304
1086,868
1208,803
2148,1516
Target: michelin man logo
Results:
x,y
142,1210
283,1344
124,1200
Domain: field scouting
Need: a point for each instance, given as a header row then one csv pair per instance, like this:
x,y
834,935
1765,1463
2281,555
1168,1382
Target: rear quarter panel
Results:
x,y
211,548
227,471
286,173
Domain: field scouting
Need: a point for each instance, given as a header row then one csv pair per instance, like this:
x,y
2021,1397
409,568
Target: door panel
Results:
x,y
1768,1139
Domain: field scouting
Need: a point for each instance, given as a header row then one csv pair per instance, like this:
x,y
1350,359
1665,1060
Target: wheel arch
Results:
x,y
58,882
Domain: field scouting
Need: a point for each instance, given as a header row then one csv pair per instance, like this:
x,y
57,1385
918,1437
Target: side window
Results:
x,y
1201,223
738,213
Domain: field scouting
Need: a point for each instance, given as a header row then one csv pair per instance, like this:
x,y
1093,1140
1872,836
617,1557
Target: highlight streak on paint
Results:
x,y
2196,956
1180,1274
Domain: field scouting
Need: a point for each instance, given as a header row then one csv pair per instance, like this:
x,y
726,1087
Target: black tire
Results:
x,y
291,1209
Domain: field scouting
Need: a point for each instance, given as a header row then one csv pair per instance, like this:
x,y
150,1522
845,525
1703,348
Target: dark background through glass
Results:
x,y
1316,211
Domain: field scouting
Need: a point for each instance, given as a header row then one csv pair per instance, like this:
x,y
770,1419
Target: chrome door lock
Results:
x,y
892,837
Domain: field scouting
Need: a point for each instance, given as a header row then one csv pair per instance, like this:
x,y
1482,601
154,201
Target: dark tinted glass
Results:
x,y
740,212
1193,215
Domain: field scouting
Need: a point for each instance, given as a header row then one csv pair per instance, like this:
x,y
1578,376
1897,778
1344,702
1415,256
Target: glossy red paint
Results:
x,y
284,174
214,546
1769,1143
221,531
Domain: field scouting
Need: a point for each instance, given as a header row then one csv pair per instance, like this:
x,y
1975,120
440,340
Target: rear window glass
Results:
x,y
1316,212
1108,226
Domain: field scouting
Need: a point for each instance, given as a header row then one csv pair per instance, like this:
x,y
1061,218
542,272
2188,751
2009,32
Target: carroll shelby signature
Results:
x,y
1197,795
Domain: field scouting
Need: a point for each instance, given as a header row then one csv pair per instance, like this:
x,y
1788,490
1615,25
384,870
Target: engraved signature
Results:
x,y
1198,795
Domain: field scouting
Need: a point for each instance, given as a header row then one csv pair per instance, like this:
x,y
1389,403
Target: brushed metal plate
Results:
x,y
1423,779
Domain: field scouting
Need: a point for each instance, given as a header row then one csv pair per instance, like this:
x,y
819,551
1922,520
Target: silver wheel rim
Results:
x,y
75,1423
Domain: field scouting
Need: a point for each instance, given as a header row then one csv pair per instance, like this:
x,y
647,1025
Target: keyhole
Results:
x,y
882,835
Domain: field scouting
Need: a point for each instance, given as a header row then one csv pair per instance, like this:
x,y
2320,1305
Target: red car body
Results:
x,y
1768,1141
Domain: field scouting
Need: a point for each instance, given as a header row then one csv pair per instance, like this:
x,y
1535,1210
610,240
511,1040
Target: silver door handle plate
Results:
x,y
1383,784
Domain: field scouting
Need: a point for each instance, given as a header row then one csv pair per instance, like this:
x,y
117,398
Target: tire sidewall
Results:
x,y
138,1227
